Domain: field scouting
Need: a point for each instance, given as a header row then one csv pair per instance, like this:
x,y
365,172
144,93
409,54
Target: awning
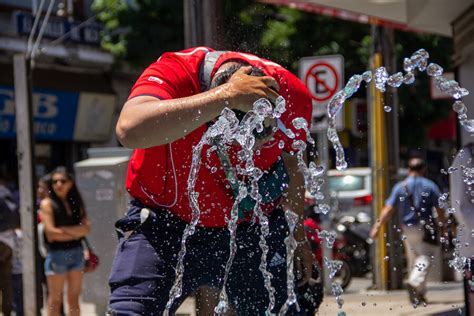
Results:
x,y
431,16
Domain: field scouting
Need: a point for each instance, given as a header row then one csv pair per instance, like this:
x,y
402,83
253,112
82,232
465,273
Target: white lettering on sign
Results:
x,y
44,128
45,106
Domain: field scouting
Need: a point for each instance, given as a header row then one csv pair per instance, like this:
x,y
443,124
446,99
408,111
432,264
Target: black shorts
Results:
x,y
143,270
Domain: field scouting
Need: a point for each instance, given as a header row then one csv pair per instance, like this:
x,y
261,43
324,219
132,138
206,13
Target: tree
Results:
x,y
139,31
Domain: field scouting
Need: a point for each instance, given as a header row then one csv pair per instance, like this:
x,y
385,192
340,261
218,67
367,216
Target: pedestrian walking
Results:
x,y
65,224
170,107
414,198
462,201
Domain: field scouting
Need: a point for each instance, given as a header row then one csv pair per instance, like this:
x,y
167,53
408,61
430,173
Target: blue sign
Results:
x,y
57,27
54,113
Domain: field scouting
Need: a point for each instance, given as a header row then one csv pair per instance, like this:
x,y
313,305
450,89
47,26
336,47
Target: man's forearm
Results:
x,y
146,121
387,212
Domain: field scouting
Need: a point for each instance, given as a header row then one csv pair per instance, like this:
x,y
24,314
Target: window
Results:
x,y
346,183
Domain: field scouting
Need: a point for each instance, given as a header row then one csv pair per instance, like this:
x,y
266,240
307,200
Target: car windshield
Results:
x,y
346,183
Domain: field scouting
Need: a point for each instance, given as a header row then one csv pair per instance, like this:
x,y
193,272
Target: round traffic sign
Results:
x,y
322,80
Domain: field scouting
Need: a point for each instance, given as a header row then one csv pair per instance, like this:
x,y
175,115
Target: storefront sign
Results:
x,y
60,115
57,27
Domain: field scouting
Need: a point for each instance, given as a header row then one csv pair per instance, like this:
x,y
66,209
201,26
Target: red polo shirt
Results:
x,y
158,176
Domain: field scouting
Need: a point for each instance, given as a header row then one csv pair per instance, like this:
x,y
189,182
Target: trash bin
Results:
x,y
101,181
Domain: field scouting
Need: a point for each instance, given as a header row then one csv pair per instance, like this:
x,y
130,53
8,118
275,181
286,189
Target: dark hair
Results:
x,y
73,198
416,164
222,77
46,178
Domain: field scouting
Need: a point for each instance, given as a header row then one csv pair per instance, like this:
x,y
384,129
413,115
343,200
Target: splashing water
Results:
x,y
225,131
418,60
225,126
312,173
267,276
291,244
458,262
330,237
336,290
333,266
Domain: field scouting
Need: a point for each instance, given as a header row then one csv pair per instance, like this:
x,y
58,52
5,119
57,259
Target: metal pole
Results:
x,y
395,251
25,150
379,175
323,152
190,25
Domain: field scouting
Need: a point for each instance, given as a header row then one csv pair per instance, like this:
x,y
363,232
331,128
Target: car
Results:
x,y
350,191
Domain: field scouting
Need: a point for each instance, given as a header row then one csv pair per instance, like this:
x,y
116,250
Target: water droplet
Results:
x,y
395,80
434,70
387,108
367,76
409,78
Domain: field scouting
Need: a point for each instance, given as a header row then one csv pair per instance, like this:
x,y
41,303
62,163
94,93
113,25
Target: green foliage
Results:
x,y
139,31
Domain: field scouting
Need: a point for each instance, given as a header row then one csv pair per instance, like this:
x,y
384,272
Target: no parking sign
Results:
x,y
324,77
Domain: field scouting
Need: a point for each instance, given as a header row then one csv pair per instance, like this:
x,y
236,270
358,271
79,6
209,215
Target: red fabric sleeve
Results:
x,y
165,79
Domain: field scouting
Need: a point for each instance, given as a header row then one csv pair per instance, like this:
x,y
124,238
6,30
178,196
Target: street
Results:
x,y
445,299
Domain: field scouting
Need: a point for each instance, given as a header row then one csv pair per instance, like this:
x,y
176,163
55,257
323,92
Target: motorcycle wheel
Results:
x,y
344,275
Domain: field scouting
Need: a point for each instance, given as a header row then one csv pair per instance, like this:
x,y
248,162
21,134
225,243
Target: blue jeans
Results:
x,y
143,270
64,260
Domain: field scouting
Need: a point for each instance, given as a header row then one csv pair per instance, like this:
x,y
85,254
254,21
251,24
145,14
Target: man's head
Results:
x,y
416,165
222,76
226,70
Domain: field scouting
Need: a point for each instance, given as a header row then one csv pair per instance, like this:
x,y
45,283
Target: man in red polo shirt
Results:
x,y
167,113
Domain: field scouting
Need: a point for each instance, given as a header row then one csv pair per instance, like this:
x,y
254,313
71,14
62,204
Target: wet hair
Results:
x,y
221,77
73,197
416,164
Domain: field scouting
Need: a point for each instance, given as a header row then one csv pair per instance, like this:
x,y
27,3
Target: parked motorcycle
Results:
x,y
350,245
356,250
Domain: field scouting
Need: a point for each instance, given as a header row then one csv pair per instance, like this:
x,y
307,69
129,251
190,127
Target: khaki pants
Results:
x,y
419,254
6,286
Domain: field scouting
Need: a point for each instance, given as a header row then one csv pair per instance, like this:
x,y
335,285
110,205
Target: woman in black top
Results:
x,y
65,224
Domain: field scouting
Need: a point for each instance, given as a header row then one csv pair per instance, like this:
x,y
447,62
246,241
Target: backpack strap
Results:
x,y
206,68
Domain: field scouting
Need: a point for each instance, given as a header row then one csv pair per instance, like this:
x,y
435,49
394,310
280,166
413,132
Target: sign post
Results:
x,y
323,76
25,141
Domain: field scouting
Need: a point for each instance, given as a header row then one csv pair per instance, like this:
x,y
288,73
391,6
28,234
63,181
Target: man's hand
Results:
x,y
242,90
304,262
374,231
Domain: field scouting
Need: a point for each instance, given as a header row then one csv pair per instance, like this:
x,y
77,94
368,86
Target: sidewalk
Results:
x,y
444,299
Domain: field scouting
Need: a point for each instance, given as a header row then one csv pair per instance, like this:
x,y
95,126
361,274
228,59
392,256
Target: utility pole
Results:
x,y
25,153
203,23
395,251
378,155
323,153
384,141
